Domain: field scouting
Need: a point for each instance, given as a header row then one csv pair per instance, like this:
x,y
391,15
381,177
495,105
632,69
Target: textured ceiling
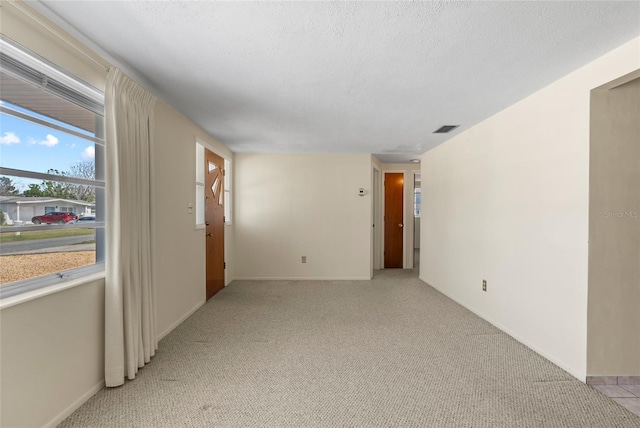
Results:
x,y
376,77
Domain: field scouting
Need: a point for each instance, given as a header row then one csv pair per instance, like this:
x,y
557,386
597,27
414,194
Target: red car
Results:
x,y
54,217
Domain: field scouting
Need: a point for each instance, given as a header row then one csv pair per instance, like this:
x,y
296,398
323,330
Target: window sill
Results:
x,y
19,299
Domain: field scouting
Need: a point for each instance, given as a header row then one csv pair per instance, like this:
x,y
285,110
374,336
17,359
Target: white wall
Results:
x,y
293,205
51,355
507,201
178,248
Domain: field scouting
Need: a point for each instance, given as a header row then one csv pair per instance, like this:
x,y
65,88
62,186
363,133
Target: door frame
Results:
x,y
215,151
376,219
407,238
413,217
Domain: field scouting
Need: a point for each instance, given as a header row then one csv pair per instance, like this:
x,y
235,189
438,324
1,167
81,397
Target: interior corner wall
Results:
x,y
178,247
293,205
507,201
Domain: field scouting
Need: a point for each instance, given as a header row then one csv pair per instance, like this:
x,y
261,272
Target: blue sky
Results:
x,y
24,145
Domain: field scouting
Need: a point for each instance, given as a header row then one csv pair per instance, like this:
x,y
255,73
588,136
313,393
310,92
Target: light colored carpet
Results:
x,y
391,352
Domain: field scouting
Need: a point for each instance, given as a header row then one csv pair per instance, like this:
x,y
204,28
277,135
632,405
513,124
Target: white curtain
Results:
x,y
130,337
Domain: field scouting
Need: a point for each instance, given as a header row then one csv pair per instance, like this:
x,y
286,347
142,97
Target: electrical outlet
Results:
x,y
304,259
484,285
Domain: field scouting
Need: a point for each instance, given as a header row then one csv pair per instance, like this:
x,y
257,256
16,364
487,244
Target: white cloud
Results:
x,y
89,153
9,138
49,141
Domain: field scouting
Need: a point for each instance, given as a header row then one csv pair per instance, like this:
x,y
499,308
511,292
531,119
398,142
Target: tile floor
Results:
x,y
625,395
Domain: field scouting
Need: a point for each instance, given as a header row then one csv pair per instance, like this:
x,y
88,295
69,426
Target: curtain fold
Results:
x,y
130,337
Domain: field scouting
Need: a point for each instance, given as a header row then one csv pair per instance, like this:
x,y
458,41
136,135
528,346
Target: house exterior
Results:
x,y
22,208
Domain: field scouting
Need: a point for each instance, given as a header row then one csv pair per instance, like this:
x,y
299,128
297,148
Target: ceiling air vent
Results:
x,y
444,129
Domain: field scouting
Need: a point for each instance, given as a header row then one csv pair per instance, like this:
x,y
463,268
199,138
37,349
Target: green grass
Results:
x,y
41,234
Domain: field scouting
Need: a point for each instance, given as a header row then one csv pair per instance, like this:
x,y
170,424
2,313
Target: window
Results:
x,y
51,171
417,202
227,191
199,186
200,204
417,195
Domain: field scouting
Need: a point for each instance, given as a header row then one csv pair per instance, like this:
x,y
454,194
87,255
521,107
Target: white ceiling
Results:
x,y
375,77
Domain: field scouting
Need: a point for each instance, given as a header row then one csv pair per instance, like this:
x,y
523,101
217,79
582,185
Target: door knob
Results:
x,y
208,235
400,225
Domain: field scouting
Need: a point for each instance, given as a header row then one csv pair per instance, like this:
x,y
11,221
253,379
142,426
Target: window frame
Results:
x,y
23,64
228,212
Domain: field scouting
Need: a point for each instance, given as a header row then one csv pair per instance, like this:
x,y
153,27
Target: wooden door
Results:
x,y
393,219
214,220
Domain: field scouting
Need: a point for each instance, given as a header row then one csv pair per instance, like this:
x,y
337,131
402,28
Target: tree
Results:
x,y
33,191
87,171
7,187
56,189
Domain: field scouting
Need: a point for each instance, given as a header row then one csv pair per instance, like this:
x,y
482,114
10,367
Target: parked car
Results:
x,y
86,219
54,217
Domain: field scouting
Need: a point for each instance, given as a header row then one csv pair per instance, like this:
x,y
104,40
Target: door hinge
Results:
x,y
224,172
224,265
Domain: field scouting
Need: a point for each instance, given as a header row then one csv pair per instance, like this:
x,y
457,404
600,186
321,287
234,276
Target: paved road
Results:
x,y
42,244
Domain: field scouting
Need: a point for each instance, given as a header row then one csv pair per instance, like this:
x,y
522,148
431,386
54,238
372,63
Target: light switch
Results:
x,y
189,208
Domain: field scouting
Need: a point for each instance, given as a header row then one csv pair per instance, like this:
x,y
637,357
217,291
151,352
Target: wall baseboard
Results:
x,y
571,370
181,320
301,278
75,405
95,389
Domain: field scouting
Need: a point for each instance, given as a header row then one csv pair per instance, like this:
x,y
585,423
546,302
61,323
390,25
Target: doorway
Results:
x,y
613,343
393,219
214,222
